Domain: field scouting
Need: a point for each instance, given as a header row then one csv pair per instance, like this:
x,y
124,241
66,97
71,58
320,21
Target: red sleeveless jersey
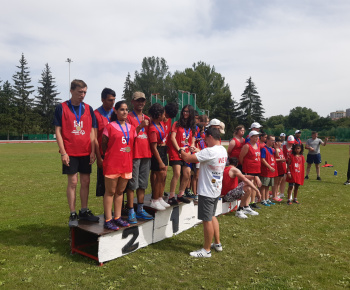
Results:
x,y
281,166
251,162
287,152
117,160
102,122
296,169
270,159
76,142
237,149
180,139
228,183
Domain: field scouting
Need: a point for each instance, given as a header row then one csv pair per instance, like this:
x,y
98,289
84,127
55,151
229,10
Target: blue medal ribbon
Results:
x,y
76,116
105,114
127,138
137,118
160,134
187,133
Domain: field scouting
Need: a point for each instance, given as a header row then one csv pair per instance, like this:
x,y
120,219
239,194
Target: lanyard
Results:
x,y
105,114
187,132
127,131
76,116
160,134
137,118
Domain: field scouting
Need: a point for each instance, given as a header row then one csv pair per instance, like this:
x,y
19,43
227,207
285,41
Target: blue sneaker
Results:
x,y
270,202
132,217
265,203
144,215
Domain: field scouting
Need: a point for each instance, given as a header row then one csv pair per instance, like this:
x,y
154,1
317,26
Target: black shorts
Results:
x,y
179,162
77,164
252,174
162,150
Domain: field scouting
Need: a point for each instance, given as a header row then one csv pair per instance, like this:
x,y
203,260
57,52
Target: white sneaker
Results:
x,y
217,247
240,214
156,205
163,203
281,195
201,254
248,210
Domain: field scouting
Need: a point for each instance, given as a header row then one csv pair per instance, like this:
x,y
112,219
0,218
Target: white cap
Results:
x,y
282,135
297,131
252,133
214,122
222,128
290,139
255,125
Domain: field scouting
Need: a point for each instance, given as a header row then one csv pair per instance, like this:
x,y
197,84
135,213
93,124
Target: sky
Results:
x,y
296,52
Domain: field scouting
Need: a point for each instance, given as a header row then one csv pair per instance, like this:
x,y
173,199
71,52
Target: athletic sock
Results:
x,y
131,210
139,207
240,208
83,209
73,212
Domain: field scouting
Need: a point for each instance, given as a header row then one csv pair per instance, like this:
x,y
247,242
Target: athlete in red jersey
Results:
x,y
250,160
280,179
75,137
232,190
236,144
295,174
103,115
287,149
142,159
297,137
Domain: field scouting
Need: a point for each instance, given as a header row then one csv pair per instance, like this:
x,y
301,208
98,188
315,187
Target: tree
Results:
x,y
250,105
301,118
274,121
128,90
22,92
7,109
47,100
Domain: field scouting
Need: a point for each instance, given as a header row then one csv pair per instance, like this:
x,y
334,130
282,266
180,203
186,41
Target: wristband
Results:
x,y
179,150
63,154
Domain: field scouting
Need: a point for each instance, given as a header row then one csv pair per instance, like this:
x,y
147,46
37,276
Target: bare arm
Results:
x,y
104,143
245,178
59,139
92,140
188,157
243,153
231,145
97,150
263,161
325,141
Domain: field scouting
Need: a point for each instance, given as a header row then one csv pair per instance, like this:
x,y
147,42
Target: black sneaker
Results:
x,y
318,178
172,201
306,177
255,206
183,199
165,193
88,216
73,220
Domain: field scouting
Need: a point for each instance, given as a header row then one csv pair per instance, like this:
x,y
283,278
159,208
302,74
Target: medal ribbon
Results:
x,y
187,133
76,116
137,118
127,131
105,114
160,134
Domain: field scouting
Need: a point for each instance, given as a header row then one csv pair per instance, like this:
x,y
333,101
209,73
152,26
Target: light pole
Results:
x,y
69,61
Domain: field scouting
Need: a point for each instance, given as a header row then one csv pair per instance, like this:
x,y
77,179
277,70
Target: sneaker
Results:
x,y
196,197
183,199
201,254
347,182
122,223
248,210
88,216
240,214
156,205
163,203
277,199
296,201
189,193
217,247
254,206
318,178
281,195
73,220
165,193
265,203
110,225
172,201
289,202
270,202
306,177
144,215
132,217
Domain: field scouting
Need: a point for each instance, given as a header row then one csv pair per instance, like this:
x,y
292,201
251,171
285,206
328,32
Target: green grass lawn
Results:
x,y
285,247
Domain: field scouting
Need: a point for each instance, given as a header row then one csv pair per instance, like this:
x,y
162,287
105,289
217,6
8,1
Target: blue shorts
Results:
x,y
313,158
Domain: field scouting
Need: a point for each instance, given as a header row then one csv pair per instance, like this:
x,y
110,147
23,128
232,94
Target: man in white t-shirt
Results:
x,y
212,163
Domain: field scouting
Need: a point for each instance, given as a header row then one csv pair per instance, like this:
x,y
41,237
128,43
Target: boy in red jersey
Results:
x,y
103,115
142,159
74,122
236,144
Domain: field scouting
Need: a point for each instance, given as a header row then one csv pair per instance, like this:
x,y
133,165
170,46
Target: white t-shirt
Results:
x,y
213,162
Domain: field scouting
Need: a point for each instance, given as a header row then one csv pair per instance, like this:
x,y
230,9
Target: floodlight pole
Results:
x,y
69,61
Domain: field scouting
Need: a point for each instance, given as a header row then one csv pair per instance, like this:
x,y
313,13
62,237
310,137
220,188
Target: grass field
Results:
x,y
302,246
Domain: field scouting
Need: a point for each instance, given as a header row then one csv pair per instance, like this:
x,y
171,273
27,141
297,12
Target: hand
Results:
x,y
326,139
194,149
162,166
312,149
144,123
289,175
65,159
258,182
258,195
272,169
92,158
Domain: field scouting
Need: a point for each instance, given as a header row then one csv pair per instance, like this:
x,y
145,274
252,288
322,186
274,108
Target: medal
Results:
x,y
127,149
160,134
78,128
137,118
186,141
187,133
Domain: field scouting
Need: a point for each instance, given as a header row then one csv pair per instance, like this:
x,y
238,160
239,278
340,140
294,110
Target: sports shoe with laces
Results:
x,y
172,201
163,203
240,214
217,247
144,215
254,206
202,253
318,178
182,199
296,201
347,182
265,203
281,195
88,216
248,210
73,220
270,202
156,205
132,217
306,177
289,202
120,222
110,225
189,193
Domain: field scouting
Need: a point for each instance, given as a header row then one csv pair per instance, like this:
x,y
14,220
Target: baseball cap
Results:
x,y
290,139
252,133
282,135
222,128
255,125
138,95
297,131
214,122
